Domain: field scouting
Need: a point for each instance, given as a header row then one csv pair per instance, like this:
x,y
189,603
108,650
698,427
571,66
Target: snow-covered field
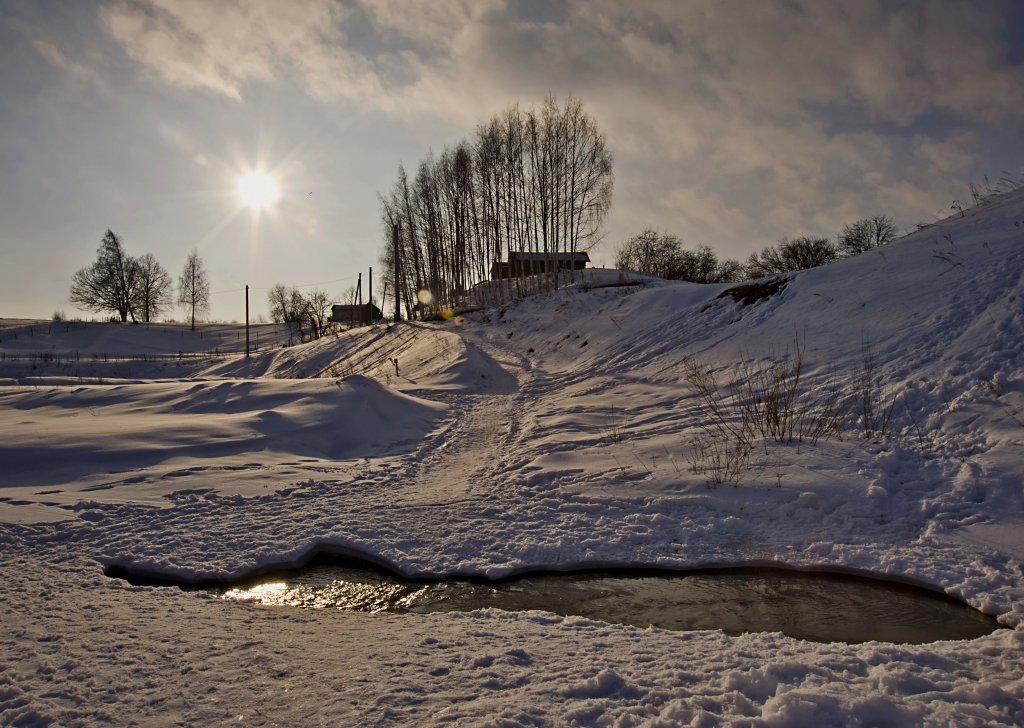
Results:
x,y
553,432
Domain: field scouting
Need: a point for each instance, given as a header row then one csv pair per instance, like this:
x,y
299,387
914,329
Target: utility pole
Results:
x,y
246,320
370,286
395,230
358,296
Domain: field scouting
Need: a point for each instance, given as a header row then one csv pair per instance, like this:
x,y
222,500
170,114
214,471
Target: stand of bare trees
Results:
x,y
663,255
307,315
536,181
800,253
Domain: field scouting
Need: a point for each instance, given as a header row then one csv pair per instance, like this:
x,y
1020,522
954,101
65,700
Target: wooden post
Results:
x,y
246,320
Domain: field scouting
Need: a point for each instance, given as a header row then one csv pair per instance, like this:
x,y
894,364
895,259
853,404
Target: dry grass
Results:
x,y
767,400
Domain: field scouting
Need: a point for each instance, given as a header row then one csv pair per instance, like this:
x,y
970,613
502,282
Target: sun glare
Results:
x,y
258,190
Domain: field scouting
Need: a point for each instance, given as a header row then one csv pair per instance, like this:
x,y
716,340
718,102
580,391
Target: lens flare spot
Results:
x,y
425,297
271,593
447,314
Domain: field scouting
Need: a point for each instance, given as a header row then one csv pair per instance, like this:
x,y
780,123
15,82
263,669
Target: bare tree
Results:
x,y
698,266
651,253
194,287
310,312
788,255
280,301
729,271
663,255
154,290
287,306
316,309
866,234
394,265
110,283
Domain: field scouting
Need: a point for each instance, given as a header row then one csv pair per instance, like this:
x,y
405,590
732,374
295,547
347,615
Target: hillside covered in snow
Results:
x,y
617,421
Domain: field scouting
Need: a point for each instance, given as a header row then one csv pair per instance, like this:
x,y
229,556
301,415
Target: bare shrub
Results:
x,y
720,417
782,407
986,192
614,430
875,404
770,401
721,459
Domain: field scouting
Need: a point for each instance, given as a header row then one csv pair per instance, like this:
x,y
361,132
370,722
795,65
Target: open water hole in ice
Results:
x,y
817,606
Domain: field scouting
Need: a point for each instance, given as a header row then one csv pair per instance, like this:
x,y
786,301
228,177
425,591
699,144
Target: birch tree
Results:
x,y
194,287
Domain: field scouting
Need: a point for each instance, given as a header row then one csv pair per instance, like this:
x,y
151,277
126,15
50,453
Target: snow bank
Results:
x,y
139,442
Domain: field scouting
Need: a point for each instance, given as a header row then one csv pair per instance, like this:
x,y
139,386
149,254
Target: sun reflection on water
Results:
x,y
272,593
365,593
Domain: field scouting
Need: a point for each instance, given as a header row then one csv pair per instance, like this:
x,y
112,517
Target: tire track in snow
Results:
x,y
464,461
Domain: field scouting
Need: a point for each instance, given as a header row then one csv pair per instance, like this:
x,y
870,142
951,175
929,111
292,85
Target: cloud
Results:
x,y
948,157
432,25
746,121
76,70
223,46
53,55
880,62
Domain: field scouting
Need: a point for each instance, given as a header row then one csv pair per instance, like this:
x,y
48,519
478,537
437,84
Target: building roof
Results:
x,y
580,257
351,306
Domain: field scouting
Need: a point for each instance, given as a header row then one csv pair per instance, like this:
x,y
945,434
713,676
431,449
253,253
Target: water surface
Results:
x,y
813,606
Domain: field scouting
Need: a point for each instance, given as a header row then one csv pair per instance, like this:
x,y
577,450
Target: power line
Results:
x,y
301,285
321,283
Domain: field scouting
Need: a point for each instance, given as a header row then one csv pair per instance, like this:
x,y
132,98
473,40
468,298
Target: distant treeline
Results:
x,y
663,254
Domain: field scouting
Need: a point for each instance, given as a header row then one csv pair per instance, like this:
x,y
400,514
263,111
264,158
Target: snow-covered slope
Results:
x,y
427,357
140,442
554,431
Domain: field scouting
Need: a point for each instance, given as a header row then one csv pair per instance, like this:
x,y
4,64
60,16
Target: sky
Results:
x,y
732,123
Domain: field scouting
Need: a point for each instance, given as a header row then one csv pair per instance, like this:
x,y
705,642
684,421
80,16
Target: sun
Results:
x,y
258,190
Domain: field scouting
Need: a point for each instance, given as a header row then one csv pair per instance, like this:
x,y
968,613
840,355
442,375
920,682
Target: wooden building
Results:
x,y
356,315
520,265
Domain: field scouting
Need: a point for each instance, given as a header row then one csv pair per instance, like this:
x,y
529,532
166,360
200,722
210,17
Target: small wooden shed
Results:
x,y
356,315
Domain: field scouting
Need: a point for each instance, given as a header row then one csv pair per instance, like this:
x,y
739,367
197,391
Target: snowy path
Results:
x,y
455,463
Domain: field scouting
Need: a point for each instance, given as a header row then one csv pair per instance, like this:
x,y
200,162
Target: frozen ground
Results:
x,y
553,432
